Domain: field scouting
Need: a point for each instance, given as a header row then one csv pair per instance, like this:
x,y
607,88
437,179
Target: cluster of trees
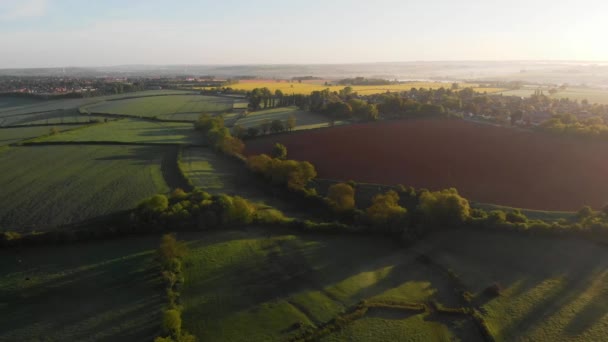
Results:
x,y
395,105
265,127
218,136
170,256
408,213
263,98
281,171
568,124
344,104
197,208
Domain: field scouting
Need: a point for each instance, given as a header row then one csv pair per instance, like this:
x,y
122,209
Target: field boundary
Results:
x,y
42,143
48,125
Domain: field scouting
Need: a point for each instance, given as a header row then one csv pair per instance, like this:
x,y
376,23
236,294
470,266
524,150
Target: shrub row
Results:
x,y
170,258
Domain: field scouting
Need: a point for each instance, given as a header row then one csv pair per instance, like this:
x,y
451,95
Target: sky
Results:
x,y
59,33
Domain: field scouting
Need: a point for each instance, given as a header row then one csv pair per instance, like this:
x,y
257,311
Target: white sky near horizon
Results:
x,y
54,33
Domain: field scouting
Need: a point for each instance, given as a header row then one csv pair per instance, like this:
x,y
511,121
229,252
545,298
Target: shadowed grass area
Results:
x,y
257,284
218,174
12,135
85,292
553,289
66,184
133,131
304,119
166,107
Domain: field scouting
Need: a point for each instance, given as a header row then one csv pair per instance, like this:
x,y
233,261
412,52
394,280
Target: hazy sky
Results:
x,y
43,33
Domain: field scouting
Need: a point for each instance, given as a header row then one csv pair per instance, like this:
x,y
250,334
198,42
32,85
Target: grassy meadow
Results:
x,y
592,95
178,107
308,87
132,131
218,174
13,135
67,184
304,119
18,106
253,285
98,291
553,289
256,284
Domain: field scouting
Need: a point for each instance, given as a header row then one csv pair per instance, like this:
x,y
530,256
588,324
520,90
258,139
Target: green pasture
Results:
x,y
12,135
23,106
218,174
178,107
304,119
98,291
47,186
132,131
254,285
553,289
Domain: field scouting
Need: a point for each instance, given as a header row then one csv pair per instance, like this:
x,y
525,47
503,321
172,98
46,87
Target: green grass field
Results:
x,y
253,285
592,95
53,117
304,119
256,284
133,131
59,185
98,291
13,135
37,106
553,289
178,107
218,174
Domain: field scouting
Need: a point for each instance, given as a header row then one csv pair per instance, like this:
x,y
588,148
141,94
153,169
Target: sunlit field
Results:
x,y
307,87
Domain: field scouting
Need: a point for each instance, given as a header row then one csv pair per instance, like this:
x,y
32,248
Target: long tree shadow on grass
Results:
x,y
116,299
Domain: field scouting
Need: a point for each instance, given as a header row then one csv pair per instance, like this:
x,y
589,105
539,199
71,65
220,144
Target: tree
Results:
x,y
444,208
231,146
279,151
291,122
279,95
239,131
341,197
155,204
339,109
170,248
172,323
265,126
252,132
584,213
277,126
385,211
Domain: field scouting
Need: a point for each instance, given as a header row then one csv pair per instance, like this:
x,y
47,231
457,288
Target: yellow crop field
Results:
x,y
307,88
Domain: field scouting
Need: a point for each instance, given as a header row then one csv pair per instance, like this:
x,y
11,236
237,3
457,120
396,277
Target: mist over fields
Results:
x,y
538,72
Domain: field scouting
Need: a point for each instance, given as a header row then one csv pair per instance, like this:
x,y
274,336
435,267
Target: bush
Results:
x,y
385,211
516,216
279,151
171,249
294,174
493,290
155,204
172,322
443,208
341,197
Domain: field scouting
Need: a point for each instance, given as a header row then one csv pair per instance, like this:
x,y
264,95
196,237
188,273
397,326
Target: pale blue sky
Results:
x,y
44,33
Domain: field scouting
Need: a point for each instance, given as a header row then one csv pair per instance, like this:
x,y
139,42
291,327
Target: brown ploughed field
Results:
x,y
485,163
